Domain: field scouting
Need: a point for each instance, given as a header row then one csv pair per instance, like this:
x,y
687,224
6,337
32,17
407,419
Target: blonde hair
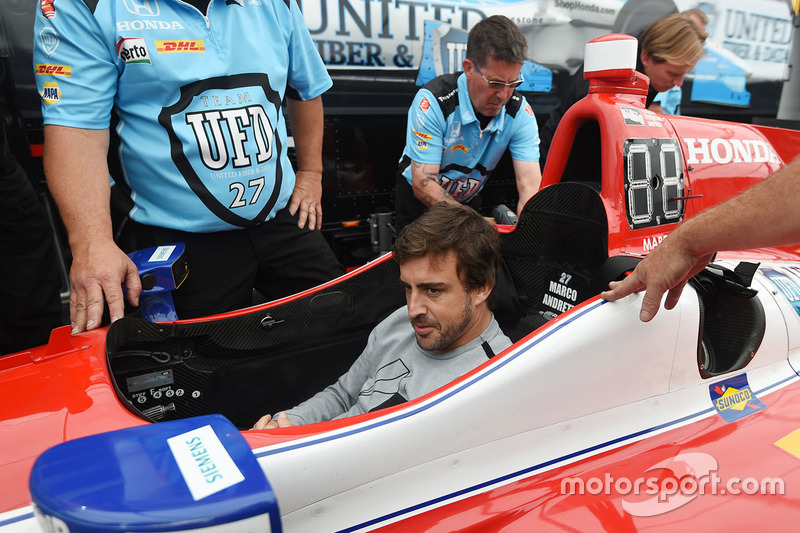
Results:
x,y
698,13
674,39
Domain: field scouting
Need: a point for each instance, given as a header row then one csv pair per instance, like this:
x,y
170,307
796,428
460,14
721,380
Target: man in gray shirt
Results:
x,y
449,259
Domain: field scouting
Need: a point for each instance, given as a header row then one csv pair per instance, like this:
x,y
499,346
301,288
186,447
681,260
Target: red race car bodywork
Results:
x,y
592,420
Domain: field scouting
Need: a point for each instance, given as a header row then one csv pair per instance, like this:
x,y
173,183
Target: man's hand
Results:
x,y
307,197
739,223
307,122
281,420
97,273
667,268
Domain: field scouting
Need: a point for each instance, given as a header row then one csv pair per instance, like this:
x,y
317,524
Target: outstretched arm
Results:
x,y
764,215
77,176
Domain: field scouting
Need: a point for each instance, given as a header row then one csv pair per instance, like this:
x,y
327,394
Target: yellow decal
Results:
x,y
426,136
51,92
53,70
734,398
165,47
790,443
460,147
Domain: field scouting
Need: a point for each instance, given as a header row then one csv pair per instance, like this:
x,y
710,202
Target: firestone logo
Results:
x,y
133,50
693,474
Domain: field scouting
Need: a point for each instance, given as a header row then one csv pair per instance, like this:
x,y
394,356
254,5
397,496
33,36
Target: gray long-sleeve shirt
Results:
x,y
392,369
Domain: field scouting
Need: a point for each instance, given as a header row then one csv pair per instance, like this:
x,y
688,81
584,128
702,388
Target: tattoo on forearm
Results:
x,y
427,180
434,194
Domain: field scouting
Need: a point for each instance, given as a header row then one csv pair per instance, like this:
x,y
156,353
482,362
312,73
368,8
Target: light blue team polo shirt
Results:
x,y
193,100
443,129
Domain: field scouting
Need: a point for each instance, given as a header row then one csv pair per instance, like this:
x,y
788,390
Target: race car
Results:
x,y
591,420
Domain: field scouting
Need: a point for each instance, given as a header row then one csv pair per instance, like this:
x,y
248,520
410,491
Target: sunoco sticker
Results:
x,y
734,399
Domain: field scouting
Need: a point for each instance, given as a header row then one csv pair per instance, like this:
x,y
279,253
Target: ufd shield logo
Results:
x,y
225,141
49,39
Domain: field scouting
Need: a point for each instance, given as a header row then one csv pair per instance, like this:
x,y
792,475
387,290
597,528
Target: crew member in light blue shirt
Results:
x,y
459,126
181,104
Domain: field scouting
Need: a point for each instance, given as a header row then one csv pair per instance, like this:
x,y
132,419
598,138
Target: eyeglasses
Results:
x,y
497,85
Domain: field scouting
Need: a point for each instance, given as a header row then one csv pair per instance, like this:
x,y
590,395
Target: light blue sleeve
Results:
x,y
524,143
425,129
308,77
670,100
76,69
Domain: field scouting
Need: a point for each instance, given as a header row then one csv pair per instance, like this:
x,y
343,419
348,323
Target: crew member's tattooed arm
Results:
x,y
425,183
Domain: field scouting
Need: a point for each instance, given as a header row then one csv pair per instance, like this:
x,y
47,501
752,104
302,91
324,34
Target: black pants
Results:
x,y
30,297
277,258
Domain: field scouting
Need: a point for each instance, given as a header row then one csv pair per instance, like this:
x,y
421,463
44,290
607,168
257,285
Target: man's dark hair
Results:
x,y
446,227
498,37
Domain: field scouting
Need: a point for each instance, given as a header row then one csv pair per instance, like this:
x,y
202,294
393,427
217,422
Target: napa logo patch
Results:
x,y
51,92
734,399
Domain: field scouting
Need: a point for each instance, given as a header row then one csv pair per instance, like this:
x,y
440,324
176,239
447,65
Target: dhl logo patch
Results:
x,y
53,70
51,92
459,147
166,47
733,398
426,136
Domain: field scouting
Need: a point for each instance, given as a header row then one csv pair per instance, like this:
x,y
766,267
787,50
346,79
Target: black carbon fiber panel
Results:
x,y
557,248
266,359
